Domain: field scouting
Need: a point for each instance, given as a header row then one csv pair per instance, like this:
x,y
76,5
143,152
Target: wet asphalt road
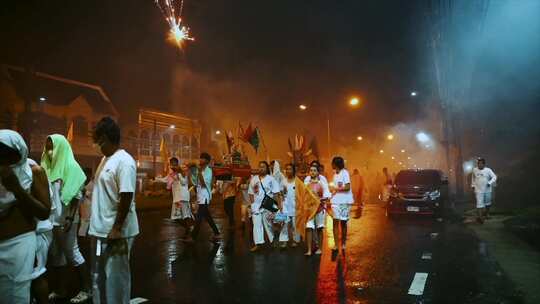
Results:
x,y
378,266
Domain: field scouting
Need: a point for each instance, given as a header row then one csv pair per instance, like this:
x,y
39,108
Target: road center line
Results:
x,y
418,284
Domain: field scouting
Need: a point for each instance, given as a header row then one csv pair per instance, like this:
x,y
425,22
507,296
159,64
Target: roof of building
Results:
x,y
56,90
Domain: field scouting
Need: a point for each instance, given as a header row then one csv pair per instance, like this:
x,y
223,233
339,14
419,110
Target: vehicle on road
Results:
x,y
419,192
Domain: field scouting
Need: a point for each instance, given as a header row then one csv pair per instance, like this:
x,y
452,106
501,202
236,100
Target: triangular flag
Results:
x,y
164,153
70,133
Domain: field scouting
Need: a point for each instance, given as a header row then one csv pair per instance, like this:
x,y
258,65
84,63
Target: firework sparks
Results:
x,y
178,32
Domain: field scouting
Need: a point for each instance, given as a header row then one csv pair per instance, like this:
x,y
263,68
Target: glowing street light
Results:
x,y
390,136
402,150
381,151
422,137
359,138
218,132
42,99
409,158
302,107
354,101
414,93
393,157
172,126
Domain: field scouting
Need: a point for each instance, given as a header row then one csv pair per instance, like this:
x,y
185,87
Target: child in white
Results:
x,y
262,184
342,200
289,208
318,185
483,181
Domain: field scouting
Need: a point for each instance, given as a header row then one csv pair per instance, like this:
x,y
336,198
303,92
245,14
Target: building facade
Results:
x,y
38,104
179,135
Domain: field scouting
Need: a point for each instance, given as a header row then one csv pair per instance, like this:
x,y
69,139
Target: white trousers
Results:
x,y
284,234
65,247
43,243
17,257
261,223
111,276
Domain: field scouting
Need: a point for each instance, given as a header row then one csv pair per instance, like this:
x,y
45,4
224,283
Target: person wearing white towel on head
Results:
x,y
113,221
24,196
261,185
44,237
342,201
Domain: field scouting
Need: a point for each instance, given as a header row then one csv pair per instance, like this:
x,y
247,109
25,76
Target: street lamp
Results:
x,y
353,102
390,136
172,126
422,137
381,151
42,99
359,138
414,93
218,132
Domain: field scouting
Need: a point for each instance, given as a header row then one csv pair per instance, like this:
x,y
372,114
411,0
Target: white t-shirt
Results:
x,y
180,189
483,180
342,197
324,182
204,193
270,185
289,204
116,174
59,211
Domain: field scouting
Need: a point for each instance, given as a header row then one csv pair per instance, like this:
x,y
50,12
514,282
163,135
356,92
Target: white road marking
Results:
x,y
434,235
427,256
138,300
418,284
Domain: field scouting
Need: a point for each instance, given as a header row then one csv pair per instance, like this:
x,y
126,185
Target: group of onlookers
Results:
x,y
45,207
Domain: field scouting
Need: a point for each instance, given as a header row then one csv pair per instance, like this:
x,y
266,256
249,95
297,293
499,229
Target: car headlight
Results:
x,y
434,195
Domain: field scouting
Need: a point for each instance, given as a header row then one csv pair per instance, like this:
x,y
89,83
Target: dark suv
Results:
x,y
418,192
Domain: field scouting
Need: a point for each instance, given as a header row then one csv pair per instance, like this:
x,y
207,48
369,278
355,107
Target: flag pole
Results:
x,y
264,144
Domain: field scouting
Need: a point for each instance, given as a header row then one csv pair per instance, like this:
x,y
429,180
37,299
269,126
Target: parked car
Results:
x,y
418,192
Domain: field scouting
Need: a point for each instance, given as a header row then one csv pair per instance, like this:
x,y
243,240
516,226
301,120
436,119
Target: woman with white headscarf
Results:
x,y
24,196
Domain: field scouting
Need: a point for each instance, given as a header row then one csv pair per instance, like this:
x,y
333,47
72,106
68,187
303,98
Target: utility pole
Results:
x,y
154,137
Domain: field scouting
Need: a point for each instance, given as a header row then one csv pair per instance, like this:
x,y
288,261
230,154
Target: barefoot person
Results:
x,y
178,183
320,188
342,201
483,181
67,179
288,187
261,185
24,197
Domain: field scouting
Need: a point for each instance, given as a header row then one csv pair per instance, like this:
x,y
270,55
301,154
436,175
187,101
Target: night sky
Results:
x,y
260,57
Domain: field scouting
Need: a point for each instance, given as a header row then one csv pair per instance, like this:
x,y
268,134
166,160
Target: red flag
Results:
x,y
248,133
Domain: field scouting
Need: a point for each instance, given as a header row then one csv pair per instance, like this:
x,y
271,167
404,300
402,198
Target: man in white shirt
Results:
x,y
113,221
342,200
483,181
261,185
205,183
